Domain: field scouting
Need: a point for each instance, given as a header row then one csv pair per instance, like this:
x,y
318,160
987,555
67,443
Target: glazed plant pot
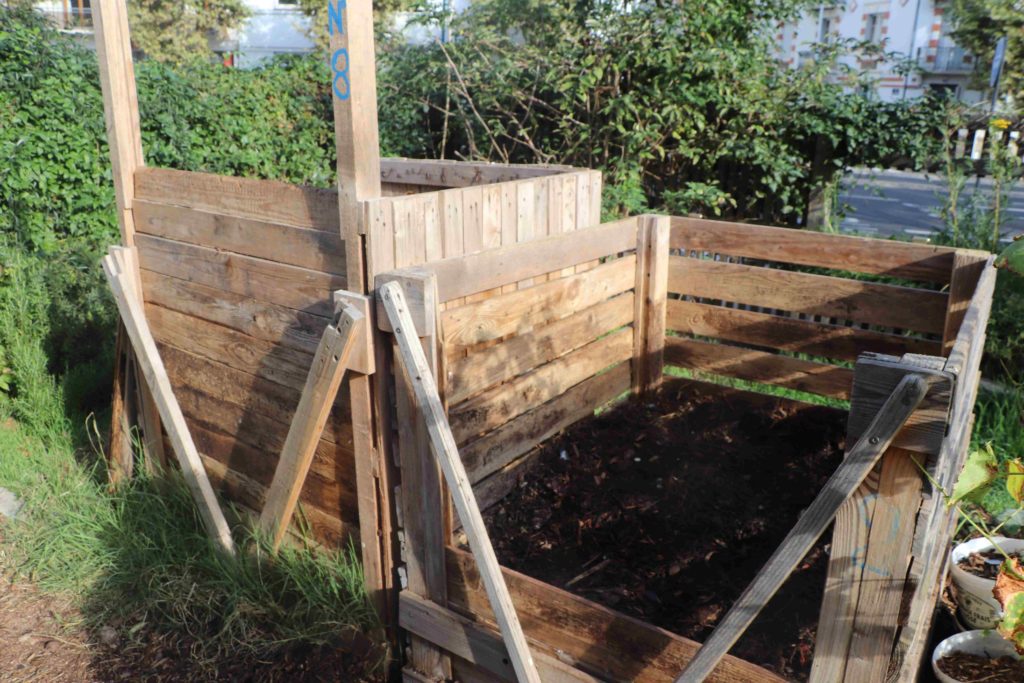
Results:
x,y
983,642
978,608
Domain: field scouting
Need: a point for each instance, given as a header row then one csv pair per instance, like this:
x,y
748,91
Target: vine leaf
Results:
x,y
1009,591
979,471
1015,480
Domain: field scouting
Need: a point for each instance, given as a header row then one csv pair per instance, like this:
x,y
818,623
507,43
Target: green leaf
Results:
x,y
1011,626
1015,480
978,473
1012,258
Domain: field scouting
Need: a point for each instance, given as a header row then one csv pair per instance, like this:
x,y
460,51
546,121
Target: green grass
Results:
x,y
757,387
137,557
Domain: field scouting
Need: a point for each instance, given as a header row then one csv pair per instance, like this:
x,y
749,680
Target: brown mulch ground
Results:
x,y
667,509
975,668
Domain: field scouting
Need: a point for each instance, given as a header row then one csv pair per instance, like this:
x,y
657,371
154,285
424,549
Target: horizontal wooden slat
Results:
x,y
315,249
250,392
496,407
867,302
299,288
476,643
759,366
447,173
266,321
525,309
922,262
488,454
263,200
326,527
599,640
788,334
462,276
469,374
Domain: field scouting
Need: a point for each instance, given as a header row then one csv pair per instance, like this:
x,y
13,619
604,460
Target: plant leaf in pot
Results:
x,y
1009,591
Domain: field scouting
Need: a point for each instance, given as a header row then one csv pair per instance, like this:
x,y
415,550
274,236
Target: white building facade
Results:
x,y
916,29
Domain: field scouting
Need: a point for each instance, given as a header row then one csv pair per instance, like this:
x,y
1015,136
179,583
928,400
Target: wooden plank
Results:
x,y
886,561
153,370
488,454
867,302
651,297
447,173
322,384
759,366
314,249
418,373
788,334
379,222
474,642
301,289
521,311
974,320
601,641
458,277
859,462
907,260
967,269
260,200
120,456
876,376
494,408
470,374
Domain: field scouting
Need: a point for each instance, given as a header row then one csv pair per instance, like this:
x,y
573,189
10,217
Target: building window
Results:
x,y
824,30
873,28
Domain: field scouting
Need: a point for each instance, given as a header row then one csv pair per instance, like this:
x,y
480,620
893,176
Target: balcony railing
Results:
x,y
946,60
75,15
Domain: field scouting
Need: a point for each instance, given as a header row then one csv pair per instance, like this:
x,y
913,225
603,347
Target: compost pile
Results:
x,y
666,509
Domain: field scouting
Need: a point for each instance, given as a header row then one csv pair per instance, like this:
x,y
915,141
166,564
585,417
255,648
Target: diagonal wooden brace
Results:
x,y
329,365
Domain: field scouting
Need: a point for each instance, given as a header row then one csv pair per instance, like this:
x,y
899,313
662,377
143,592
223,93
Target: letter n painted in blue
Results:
x,y
335,19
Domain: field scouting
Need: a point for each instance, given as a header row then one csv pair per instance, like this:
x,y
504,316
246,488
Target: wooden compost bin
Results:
x,y
530,338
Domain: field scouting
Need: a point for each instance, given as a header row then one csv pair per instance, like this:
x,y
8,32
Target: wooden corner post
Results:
x,y
124,137
650,302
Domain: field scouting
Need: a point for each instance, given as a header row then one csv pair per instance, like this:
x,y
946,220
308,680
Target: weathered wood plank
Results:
x,y
261,200
859,462
867,302
759,366
488,454
788,334
314,249
650,304
601,641
418,372
472,373
968,267
922,262
302,289
525,309
494,408
446,173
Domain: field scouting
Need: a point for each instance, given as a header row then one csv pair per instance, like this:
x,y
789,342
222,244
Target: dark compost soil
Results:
x,y
976,668
985,565
666,510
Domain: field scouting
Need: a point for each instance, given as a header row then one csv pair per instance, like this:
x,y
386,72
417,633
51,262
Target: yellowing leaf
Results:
x,y
979,471
1015,480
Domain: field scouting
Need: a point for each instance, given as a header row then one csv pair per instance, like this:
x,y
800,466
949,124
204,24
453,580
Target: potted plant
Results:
x,y
979,655
974,566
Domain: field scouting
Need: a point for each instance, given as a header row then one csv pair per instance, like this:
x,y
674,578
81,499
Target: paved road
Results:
x,y
885,203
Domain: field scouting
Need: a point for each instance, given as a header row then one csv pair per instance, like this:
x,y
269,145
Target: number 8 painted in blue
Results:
x,y
340,73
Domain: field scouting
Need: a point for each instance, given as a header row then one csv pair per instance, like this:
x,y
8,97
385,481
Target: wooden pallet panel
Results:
x,y
759,366
494,408
866,302
304,247
470,374
788,334
525,309
921,262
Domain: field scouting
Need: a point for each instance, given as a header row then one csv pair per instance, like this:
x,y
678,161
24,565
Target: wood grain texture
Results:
x,y
921,262
651,294
326,372
304,247
525,309
866,302
261,200
859,462
447,173
477,371
494,408
759,366
966,273
608,644
837,342
417,371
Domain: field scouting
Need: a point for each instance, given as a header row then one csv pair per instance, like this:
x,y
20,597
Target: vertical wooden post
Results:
x,y
124,137
967,269
425,499
651,292
354,97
